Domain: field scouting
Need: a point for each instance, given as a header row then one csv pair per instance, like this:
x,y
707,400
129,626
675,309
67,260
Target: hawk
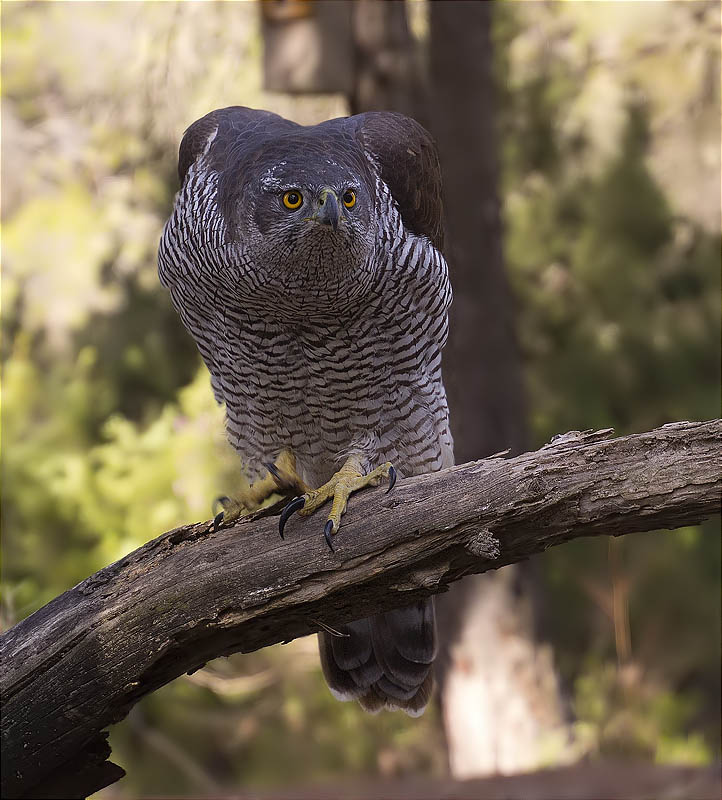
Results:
x,y
306,263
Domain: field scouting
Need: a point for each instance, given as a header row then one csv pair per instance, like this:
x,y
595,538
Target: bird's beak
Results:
x,y
328,210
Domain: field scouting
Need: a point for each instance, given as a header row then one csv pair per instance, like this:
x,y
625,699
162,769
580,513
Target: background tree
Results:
x,y
609,143
499,691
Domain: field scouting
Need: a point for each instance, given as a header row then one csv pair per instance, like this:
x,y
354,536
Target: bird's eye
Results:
x,y
349,198
292,199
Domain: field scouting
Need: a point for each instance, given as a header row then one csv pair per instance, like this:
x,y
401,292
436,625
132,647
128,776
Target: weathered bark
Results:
x,y
498,686
80,663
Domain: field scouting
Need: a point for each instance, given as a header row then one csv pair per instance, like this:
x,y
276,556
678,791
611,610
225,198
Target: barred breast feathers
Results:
x,y
390,355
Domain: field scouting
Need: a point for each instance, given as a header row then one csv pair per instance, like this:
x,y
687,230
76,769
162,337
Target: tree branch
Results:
x,y
80,663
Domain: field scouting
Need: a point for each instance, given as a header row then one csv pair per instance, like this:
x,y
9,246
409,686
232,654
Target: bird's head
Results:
x,y
305,214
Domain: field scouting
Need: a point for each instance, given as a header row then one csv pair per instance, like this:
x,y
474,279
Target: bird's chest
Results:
x,y
322,390
309,389
338,379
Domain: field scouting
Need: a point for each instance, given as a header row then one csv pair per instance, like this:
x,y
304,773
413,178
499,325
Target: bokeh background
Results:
x,y
607,125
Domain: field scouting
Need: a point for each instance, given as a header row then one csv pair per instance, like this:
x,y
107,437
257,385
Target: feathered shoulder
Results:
x,y
409,162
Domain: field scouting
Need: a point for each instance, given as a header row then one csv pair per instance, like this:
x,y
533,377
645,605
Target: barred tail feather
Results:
x,y
383,661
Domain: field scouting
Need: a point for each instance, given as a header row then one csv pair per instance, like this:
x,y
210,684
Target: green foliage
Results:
x,y
259,736
111,434
622,714
86,485
617,276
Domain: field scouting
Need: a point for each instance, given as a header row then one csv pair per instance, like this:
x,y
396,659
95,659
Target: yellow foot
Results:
x,y
350,478
282,478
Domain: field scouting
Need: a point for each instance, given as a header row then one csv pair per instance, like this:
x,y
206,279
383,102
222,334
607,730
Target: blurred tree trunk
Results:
x,y
388,69
498,687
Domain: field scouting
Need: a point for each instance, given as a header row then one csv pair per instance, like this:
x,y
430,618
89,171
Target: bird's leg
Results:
x,y
281,478
350,478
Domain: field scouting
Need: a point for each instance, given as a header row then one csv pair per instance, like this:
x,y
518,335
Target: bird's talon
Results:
x,y
217,521
392,479
221,501
328,532
295,505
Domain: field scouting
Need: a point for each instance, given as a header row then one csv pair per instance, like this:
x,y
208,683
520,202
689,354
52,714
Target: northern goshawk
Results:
x,y
306,263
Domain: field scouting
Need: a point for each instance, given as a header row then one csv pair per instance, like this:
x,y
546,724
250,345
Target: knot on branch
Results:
x,y
483,544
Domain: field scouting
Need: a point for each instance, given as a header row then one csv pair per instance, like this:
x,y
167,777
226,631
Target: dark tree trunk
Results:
x,y
387,74
498,688
482,368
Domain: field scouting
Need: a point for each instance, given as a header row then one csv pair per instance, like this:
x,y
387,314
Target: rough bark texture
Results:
x,y
80,663
491,657
498,688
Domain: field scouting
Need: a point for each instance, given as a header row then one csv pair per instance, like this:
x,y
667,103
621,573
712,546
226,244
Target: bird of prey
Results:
x,y
306,263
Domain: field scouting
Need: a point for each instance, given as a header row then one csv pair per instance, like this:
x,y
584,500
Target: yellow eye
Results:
x,y
292,199
349,198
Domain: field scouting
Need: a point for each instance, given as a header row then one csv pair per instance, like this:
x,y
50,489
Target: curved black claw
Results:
x,y
295,504
217,520
328,532
392,479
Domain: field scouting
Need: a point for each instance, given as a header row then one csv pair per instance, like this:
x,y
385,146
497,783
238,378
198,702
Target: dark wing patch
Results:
x,y
227,128
409,163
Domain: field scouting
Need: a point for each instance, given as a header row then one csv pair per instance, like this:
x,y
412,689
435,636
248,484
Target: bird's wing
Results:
x,y
408,161
221,133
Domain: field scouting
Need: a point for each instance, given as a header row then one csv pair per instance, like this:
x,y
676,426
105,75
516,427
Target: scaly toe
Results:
x,y
232,510
221,502
338,489
288,483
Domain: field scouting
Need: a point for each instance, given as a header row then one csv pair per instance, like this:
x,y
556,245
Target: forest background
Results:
x,y
609,149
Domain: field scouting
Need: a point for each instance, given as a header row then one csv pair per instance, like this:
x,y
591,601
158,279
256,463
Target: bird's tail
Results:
x,y
384,661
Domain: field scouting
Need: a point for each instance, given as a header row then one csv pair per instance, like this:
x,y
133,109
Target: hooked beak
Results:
x,y
328,212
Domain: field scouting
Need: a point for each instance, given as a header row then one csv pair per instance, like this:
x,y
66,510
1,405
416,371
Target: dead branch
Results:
x,y
80,663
